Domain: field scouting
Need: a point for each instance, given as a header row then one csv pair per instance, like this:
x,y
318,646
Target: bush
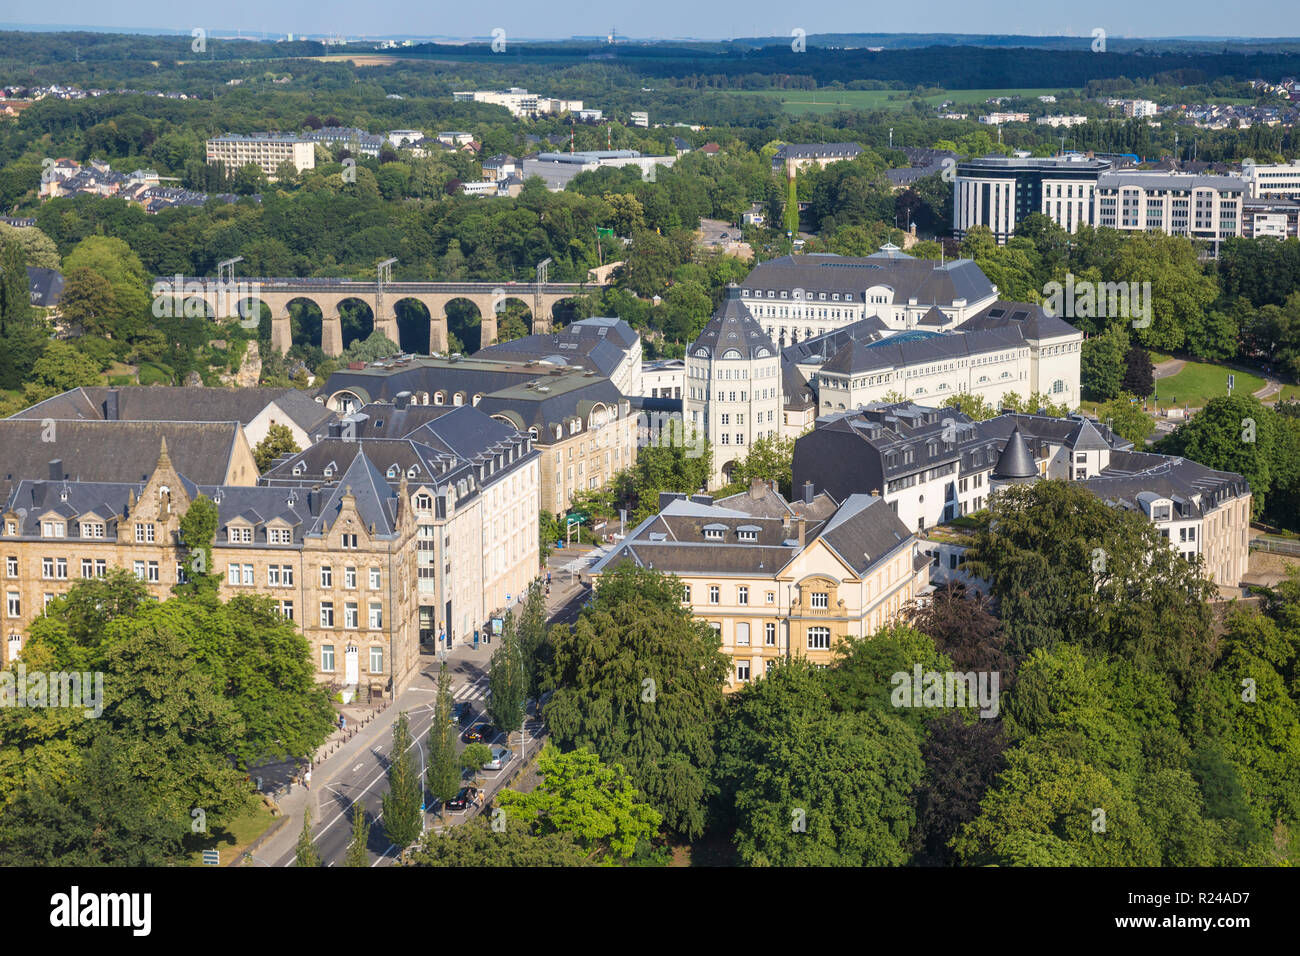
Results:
x,y
152,373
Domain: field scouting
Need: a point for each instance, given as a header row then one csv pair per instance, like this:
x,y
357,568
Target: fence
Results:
x,y
1275,546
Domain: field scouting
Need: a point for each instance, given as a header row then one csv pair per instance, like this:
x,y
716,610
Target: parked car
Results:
x,y
500,757
473,735
466,798
462,712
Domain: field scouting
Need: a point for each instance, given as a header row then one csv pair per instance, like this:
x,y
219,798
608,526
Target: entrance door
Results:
x,y
351,665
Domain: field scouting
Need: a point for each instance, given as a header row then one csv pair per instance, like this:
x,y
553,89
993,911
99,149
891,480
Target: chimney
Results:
x,y
401,400
111,413
808,492
56,469
757,488
802,525
336,430
313,501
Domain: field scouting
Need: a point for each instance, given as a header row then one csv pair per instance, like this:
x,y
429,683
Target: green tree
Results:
x,y
358,855
639,682
1102,363
115,261
597,804
770,459
973,407
475,843
278,441
198,527
531,632
474,756
15,297
1126,418
1139,373
87,300
62,367
306,854
39,250
507,680
443,777
1231,433
403,816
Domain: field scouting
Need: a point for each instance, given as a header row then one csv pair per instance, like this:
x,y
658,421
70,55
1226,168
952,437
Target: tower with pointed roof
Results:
x,y
733,379
1016,465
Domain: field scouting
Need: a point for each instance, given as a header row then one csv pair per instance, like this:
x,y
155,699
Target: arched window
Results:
x,y
438,398
1058,387
458,399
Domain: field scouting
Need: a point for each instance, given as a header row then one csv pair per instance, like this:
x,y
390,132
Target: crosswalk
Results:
x,y
474,690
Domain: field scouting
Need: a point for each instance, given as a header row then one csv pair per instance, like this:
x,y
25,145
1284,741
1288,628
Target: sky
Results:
x,y
717,19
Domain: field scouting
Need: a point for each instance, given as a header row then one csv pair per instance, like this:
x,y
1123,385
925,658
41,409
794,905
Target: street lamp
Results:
x,y
423,820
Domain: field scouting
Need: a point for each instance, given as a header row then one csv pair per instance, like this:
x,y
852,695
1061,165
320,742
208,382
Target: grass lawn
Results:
x,y
1199,382
828,101
231,840
1288,392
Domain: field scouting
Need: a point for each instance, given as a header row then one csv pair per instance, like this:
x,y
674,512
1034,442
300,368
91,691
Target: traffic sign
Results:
x,y
211,857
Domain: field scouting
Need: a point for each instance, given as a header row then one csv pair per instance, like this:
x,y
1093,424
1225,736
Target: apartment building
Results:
x,y
733,384
1273,180
1062,121
582,425
338,561
663,378
520,102
797,297
256,409
264,150
778,580
601,344
347,137
557,169
1177,204
1269,218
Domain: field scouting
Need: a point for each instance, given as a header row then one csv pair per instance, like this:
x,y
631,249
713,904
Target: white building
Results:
x,y
1177,204
663,378
520,102
999,191
265,150
733,385
1274,180
400,138
640,118
558,168
1062,121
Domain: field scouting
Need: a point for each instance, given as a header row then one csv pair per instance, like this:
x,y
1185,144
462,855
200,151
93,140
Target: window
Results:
x,y
54,529
350,578
349,541
139,570
280,536
350,615
61,569
326,576
87,568
769,634
820,600
819,638
326,655
742,596
742,670
273,576
424,502
327,616
181,576
376,616
771,597
144,533
742,633
686,594
713,594
248,574
243,535
15,604
47,567
376,660
11,567
286,575
101,568
376,579
232,575
286,610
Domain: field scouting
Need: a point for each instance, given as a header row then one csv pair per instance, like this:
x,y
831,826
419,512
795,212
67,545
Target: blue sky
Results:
x,y
678,18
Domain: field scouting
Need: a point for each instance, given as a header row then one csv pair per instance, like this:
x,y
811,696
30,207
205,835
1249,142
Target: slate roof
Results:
x,y
114,451
927,281
1033,322
820,348
599,345
733,327
917,348
1015,460
1193,488
816,150
795,390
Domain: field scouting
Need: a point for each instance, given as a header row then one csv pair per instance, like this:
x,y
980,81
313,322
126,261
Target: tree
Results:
x,y
507,681
639,682
358,855
791,214
475,843
198,530
277,443
15,296
62,367
474,756
1102,363
973,407
597,804
87,300
1126,418
531,632
962,760
770,459
1231,433
1139,374
115,261
306,854
39,250
404,801
443,777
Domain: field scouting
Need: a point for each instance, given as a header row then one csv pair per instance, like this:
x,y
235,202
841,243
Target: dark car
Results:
x,y
481,733
462,712
466,798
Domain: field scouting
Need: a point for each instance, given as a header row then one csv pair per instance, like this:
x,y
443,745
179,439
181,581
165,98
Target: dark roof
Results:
x,y
733,327
916,347
1033,322
795,390
1015,460
927,281
596,344
816,150
45,286
114,451
820,348
180,403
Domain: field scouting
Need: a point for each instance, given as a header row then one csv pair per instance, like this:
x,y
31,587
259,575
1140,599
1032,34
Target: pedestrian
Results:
x,y
548,579
343,722
307,779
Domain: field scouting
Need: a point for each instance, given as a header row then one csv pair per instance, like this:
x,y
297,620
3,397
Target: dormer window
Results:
x,y
423,502
329,470
393,471
239,535
747,535
412,471
714,532
54,529
299,468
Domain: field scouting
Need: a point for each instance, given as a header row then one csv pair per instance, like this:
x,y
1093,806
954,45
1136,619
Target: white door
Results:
x,y
351,665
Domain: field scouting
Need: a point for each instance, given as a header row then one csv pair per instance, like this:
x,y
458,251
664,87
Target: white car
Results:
x,y
500,757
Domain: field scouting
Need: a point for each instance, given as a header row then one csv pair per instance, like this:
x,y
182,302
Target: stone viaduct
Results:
x,y
188,295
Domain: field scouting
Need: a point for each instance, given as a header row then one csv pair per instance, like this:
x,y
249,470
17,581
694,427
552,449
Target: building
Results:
x,y
264,150
404,138
921,163
520,102
997,119
733,384
557,169
934,464
1177,204
1061,121
472,483
663,378
256,409
798,297
454,139
999,191
1140,108
347,137
582,425
1261,218
780,580
499,167
640,118
1273,180
607,346
797,156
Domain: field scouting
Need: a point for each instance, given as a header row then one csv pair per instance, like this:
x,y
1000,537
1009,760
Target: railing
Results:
x,y
1275,545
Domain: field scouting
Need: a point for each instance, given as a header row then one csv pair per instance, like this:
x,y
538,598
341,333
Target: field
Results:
x,y
232,840
1199,382
828,101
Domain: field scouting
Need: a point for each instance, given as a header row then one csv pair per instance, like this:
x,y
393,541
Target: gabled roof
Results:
x,y
733,328
376,503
